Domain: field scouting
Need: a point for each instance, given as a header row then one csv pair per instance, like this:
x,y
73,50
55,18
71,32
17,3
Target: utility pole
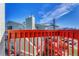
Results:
x,y
53,24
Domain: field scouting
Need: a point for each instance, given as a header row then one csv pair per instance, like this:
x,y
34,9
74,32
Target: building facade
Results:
x,y
29,23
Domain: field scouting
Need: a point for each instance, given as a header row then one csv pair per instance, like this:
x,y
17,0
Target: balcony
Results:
x,y
43,42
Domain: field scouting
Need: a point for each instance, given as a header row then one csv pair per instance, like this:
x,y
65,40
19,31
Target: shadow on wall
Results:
x,y
2,46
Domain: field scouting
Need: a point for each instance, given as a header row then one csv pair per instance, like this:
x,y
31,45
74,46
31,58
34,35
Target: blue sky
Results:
x,y
18,13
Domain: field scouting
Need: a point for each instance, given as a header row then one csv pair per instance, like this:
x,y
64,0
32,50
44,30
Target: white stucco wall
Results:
x,y
30,23
2,20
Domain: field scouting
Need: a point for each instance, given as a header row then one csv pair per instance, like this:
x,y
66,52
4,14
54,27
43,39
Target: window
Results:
x,y
9,27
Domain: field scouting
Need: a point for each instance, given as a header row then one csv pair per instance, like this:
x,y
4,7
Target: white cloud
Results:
x,y
43,8
60,11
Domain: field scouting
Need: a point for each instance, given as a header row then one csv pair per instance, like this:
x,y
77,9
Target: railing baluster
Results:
x,y
57,42
73,44
41,45
28,43
9,37
19,43
78,43
48,44
60,43
68,44
33,44
64,42
24,44
44,44
54,43
51,42
14,36
37,43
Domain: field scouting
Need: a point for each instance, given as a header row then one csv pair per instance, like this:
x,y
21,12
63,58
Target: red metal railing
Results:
x,y
43,42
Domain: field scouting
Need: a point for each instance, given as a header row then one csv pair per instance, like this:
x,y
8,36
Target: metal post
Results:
x,y
53,24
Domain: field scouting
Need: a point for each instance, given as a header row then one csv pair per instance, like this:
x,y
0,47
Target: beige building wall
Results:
x,y
2,20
